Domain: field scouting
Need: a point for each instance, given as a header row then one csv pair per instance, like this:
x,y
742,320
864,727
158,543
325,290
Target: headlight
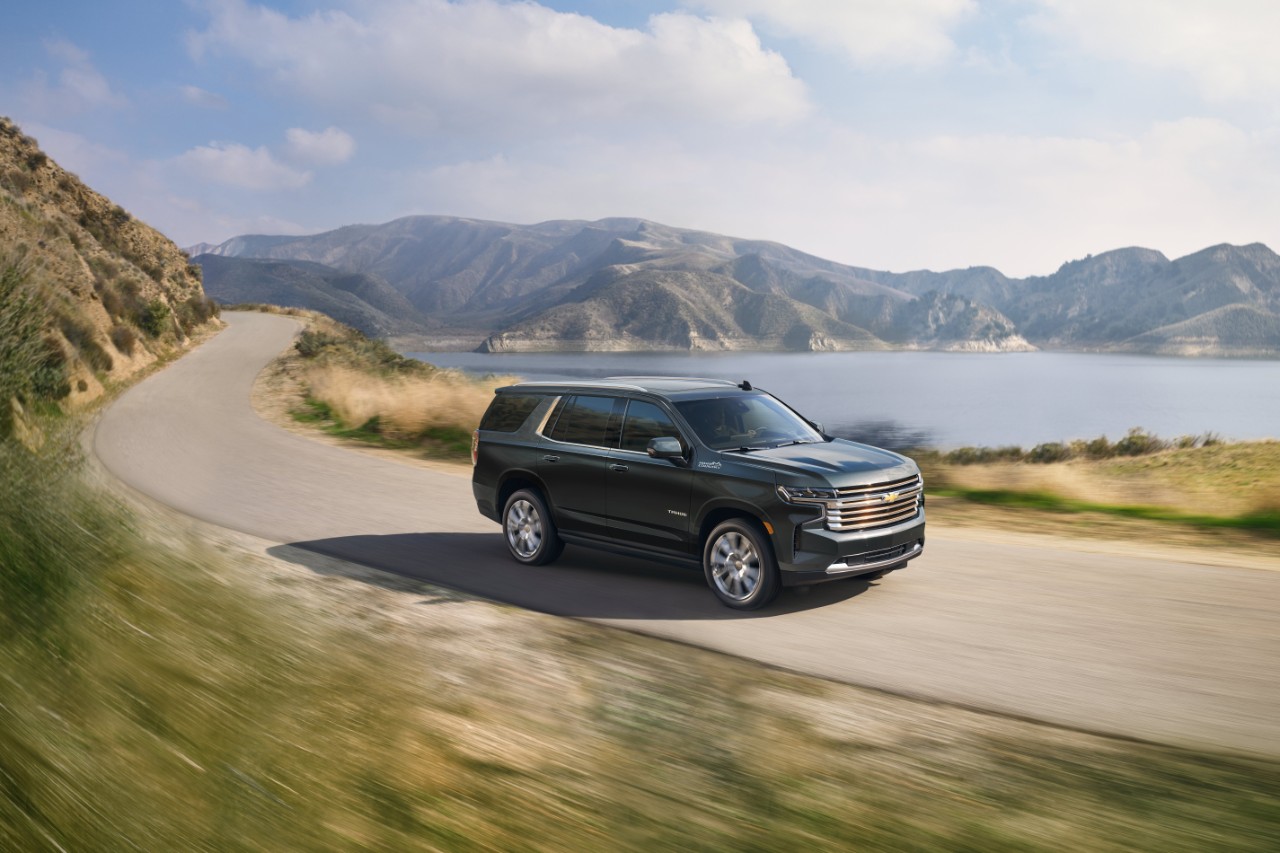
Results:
x,y
805,494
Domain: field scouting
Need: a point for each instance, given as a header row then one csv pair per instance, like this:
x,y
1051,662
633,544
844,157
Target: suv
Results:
x,y
697,470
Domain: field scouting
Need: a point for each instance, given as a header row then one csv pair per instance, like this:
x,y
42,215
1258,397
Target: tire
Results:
x,y
739,565
528,530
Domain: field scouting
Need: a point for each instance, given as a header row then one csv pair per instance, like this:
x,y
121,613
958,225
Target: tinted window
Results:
x,y
508,411
756,420
588,420
644,422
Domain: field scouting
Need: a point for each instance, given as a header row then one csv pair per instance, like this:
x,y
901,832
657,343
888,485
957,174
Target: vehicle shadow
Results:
x,y
583,583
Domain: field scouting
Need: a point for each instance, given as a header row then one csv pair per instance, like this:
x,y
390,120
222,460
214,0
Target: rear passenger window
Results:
x,y
589,420
646,421
508,411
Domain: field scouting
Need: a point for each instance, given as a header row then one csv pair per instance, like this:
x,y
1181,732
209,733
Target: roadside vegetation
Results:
x,y
177,697
1197,483
358,388
161,692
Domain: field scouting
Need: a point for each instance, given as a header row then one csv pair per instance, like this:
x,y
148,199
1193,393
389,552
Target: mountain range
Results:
x,y
631,284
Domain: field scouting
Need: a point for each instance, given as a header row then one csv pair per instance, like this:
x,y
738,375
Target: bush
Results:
x,y
49,531
1139,442
196,311
154,317
311,343
21,344
124,338
1050,452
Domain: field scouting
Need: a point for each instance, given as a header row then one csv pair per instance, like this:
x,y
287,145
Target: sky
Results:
x,y
891,134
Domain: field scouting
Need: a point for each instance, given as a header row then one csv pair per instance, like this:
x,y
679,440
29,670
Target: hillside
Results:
x,y
633,284
629,284
361,300
678,310
110,293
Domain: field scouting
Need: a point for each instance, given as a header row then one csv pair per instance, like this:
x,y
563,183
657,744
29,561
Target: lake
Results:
x,y
957,399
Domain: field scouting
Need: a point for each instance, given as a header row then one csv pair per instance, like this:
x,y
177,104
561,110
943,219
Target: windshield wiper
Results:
x,y
795,442
743,449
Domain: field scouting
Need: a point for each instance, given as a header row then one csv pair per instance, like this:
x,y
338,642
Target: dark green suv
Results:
x,y
699,470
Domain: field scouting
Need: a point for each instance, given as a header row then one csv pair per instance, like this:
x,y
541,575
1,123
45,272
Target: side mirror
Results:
x,y
666,448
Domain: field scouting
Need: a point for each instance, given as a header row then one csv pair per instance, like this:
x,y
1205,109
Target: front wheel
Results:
x,y
530,533
739,565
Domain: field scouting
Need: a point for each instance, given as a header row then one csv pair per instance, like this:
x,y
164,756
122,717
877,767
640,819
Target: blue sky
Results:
x,y
894,134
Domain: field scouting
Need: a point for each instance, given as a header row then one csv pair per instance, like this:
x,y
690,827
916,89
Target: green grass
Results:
x,y
1262,521
167,698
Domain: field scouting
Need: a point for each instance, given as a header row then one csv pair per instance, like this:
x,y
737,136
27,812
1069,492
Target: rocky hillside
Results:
x,y
112,293
361,300
633,284
620,284
1224,300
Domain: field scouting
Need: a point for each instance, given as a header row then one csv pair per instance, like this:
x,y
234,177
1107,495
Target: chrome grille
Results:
x,y
875,505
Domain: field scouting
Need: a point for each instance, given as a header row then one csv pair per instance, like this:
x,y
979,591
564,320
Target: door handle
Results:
x,y
616,467
551,458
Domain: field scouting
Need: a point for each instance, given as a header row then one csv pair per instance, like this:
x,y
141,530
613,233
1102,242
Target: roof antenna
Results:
x,y
745,386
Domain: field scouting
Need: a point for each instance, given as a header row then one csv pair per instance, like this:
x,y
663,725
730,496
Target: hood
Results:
x,y
839,462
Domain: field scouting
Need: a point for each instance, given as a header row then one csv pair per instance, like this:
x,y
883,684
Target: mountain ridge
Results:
x,y
578,285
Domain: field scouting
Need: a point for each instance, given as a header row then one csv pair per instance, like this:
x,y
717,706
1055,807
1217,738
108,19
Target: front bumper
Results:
x,y
821,555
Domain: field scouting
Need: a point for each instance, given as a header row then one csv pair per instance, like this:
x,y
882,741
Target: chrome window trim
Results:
x,y
614,397
555,401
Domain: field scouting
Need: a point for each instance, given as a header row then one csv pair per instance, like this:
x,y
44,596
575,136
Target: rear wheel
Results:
x,y
530,533
739,565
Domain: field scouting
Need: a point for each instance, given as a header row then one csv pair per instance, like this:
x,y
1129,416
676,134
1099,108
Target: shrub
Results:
x,y
112,302
97,357
196,311
1050,452
311,343
48,379
21,346
124,338
1139,442
17,180
154,317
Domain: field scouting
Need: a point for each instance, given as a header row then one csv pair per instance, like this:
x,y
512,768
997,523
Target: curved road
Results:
x,y
1167,651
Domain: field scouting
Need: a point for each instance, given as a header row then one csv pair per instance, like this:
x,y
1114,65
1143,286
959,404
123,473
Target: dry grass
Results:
x,y
1222,479
185,696
404,406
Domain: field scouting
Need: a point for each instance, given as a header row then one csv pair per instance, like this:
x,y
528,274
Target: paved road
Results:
x,y
1168,651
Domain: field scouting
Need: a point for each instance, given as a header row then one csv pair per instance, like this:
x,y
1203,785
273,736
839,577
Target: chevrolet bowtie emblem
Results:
x,y
890,497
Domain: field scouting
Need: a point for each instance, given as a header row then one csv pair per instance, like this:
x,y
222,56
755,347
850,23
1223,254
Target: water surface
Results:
x,y
962,398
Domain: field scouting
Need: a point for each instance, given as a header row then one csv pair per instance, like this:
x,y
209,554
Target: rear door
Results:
x,y
648,498
573,460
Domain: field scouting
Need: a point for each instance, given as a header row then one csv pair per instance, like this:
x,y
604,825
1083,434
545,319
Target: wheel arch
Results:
x,y
514,481
723,512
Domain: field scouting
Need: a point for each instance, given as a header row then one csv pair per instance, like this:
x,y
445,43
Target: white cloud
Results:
x,y
432,64
1021,203
202,98
1227,46
79,86
325,148
869,32
240,166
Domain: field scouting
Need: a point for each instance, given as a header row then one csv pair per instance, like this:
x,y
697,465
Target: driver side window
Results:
x,y
644,422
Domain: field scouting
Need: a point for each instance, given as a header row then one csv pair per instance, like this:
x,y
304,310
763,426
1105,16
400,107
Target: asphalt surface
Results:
x,y
1174,652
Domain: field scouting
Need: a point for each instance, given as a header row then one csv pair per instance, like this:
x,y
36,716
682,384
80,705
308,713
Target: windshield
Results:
x,y
756,422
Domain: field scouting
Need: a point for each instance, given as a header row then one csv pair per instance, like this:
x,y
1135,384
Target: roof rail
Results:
x,y
677,378
585,383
